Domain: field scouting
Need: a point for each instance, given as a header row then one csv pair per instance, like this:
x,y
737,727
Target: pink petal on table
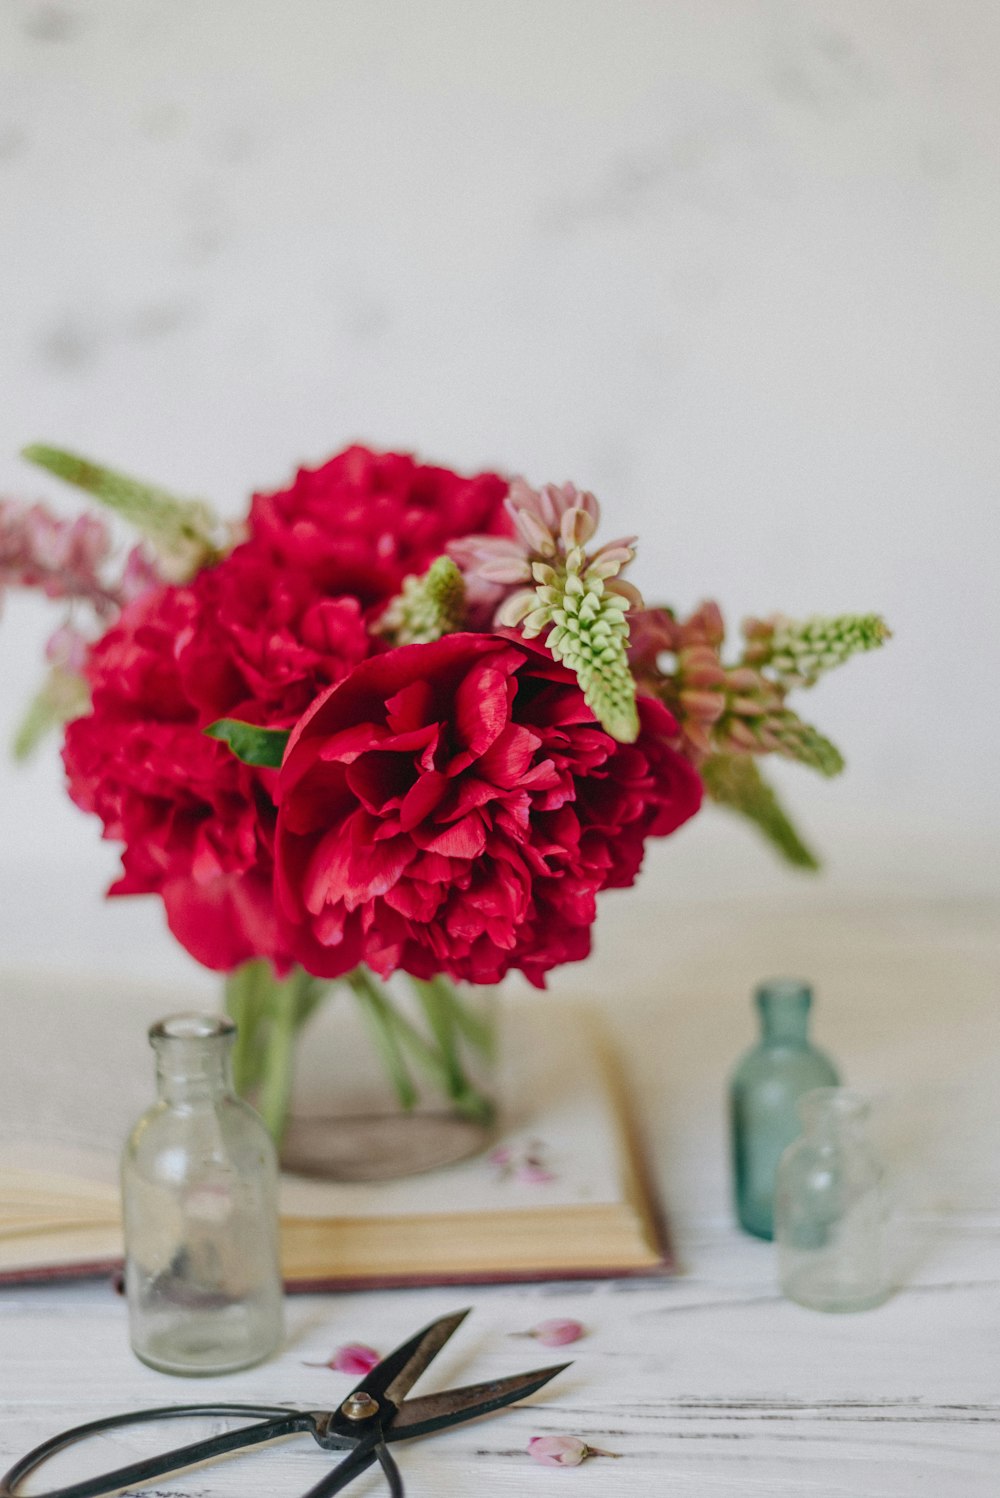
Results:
x,y
563,1451
353,1358
558,1331
558,1451
533,1174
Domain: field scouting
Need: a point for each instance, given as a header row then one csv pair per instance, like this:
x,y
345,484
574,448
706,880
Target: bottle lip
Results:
x,y
189,1025
785,990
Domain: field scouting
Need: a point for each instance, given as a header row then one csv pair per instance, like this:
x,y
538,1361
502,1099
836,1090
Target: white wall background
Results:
x,y
733,264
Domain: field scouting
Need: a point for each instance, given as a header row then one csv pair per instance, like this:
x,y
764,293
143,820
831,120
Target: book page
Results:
x,y
76,1071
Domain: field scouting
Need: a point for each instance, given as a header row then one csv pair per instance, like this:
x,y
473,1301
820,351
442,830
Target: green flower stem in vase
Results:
x,y
269,1012
404,1084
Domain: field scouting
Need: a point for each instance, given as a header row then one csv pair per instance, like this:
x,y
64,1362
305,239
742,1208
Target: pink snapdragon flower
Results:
x,y
68,559
140,574
549,523
61,558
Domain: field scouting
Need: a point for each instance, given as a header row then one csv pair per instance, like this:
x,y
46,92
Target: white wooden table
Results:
x,y
708,1383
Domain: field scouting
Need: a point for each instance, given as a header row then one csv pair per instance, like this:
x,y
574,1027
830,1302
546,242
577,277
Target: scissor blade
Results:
x,y
418,1417
395,1376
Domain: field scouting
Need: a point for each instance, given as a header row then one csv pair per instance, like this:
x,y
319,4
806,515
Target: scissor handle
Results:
x,y
275,1422
370,1448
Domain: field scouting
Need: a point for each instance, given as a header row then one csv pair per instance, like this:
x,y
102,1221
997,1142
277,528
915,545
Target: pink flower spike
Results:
x,y
562,1451
558,1331
353,1358
140,574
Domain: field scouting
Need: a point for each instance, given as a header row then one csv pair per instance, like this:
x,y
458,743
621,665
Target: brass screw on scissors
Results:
x,y
369,1418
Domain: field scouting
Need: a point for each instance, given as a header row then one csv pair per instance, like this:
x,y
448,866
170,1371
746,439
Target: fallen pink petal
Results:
x,y
354,1358
523,1162
558,1331
534,1174
563,1451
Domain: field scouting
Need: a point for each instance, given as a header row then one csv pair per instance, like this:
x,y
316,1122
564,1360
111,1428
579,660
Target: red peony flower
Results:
x,y
257,637
454,808
243,640
365,520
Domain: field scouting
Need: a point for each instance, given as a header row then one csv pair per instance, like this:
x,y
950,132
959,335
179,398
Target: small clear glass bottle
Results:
x,y
200,1209
764,1094
830,1209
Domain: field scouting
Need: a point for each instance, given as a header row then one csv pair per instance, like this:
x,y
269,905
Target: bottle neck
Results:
x,y
193,1059
784,1013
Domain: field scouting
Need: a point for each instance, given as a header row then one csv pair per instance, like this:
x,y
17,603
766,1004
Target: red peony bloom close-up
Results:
x,y
455,808
365,520
258,636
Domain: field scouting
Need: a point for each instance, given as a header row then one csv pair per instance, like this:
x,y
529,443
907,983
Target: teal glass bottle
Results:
x,y
764,1095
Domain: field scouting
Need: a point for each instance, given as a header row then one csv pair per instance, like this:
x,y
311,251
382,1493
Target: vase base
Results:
x,y
379,1147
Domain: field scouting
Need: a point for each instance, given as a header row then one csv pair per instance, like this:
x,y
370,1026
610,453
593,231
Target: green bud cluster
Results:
x,y
429,606
589,634
799,652
801,741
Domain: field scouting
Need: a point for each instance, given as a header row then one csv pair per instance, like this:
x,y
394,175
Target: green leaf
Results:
x,y
734,781
263,747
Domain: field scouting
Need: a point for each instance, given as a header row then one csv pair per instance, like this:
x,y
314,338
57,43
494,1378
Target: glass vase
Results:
x,y
830,1209
200,1212
764,1095
359,1080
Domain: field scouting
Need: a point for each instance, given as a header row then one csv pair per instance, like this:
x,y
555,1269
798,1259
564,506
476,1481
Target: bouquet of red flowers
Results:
x,y
397,719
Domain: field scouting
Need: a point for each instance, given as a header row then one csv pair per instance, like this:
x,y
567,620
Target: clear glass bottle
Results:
x,y
764,1094
200,1208
830,1209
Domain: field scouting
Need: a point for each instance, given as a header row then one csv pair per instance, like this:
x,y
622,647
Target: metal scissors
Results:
x,y
372,1416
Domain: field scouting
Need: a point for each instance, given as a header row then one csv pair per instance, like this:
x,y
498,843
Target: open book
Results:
x,y
76,1072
